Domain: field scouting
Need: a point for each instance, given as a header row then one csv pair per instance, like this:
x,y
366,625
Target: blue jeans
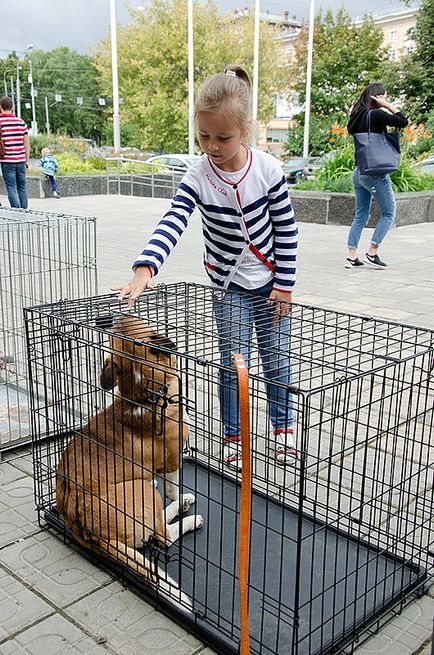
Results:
x,y
52,182
367,187
14,176
236,313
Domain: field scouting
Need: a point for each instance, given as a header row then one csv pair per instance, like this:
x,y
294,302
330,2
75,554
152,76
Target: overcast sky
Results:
x,y
79,24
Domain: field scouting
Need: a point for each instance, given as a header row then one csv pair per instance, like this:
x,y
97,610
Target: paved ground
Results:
x,y
54,601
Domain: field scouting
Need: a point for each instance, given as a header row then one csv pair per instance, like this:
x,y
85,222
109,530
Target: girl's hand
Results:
x,y
280,299
142,280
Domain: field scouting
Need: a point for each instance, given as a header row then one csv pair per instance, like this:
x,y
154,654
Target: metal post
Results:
x,y
12,91
308,79
47,119
5,84
32,93
190,77
116,120
255,73
18,91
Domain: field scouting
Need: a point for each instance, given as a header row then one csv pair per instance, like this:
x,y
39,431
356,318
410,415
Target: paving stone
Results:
x,y
53,568
130,625
405,633
54,636
19,607
17,509
9,473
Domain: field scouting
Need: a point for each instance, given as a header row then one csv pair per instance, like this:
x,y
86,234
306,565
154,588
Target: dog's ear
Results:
x,y
156,340
109,374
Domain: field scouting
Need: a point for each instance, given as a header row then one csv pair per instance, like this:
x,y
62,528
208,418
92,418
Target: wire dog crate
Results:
x,y
43,257
340,541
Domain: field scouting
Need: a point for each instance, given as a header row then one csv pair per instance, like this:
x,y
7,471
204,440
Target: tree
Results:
x,y
345,59
64,72
153,67
410,77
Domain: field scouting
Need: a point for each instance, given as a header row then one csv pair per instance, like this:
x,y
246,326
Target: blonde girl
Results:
x,y
250,248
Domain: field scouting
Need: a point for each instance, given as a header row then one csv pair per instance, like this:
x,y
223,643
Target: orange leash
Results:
x,y
245,508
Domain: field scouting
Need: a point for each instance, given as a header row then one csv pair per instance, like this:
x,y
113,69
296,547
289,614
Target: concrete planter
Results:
x,y
310,206
338,208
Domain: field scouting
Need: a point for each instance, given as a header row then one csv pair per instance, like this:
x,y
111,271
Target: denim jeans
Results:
x,y
52,182
14,176
367,187
236,313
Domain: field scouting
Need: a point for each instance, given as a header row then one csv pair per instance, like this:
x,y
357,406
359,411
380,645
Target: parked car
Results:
x,y
294,169
426,165
178,162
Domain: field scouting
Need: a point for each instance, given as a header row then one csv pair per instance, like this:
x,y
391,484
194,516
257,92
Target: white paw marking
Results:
x,y
187,501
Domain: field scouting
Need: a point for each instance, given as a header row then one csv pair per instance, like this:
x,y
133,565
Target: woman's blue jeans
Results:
x,y
14,176
236,314
366,188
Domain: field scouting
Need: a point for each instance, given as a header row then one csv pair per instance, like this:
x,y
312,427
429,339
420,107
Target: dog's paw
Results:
x,y
198,521
187,501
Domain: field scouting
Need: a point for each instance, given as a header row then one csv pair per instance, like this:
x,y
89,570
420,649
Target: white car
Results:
x,y
179,162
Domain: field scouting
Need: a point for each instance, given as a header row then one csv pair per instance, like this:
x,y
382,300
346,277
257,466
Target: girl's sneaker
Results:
x,y
232,452
286,451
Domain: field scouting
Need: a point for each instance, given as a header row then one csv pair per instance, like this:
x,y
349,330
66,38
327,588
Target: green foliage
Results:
x,y
153,67
58,143
345,59
407,179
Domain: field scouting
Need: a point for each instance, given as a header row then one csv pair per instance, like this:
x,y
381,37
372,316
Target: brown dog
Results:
x,y
105,489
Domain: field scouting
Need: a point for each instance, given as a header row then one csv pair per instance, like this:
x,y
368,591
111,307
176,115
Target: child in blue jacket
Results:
x,y
49,165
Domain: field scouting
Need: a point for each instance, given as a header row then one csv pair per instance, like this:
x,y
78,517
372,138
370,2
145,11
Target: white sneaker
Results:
x,y
232,452
286,450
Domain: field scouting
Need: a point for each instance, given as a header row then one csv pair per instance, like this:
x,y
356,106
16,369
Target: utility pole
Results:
x,y
47,120
308,79
115,83
18,91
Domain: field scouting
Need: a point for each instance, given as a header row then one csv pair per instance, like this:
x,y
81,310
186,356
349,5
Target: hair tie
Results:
x,y
229,72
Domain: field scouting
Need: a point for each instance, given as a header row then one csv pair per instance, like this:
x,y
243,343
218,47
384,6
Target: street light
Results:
x,y
255,72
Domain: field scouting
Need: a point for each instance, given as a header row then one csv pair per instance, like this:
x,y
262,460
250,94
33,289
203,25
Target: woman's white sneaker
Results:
x,y
286,452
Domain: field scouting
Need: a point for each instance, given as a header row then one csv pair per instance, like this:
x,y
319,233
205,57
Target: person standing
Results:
x,y
15,137
382,114
250,239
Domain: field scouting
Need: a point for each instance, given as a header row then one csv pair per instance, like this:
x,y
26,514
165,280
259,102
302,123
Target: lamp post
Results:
x,y
115,83
308,79
32,93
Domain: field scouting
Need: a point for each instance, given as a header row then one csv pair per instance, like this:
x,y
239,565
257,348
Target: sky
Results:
x,y
79,24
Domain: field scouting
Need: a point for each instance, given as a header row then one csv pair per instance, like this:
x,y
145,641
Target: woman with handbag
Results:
x,y
377,154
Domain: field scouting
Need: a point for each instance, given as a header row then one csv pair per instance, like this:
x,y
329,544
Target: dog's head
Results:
x,y
141,362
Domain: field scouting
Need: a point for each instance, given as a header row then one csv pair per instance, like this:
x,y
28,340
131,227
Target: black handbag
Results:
x,y
377,153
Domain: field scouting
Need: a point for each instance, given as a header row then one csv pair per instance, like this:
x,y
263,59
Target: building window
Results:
x,y
393,35
275,135
392,53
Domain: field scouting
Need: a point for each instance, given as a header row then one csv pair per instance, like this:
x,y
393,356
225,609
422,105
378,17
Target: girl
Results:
x,y
250,239
366,187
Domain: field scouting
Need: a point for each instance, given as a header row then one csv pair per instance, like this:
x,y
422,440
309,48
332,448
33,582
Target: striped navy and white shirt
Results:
x,y
244,214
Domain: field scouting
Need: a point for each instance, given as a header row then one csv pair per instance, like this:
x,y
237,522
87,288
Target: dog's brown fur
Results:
x,y
104,478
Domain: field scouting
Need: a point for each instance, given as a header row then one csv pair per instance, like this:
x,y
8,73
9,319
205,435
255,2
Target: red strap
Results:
x,y
245,506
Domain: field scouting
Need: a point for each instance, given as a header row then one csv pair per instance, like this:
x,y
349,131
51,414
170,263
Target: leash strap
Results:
x,y
245,508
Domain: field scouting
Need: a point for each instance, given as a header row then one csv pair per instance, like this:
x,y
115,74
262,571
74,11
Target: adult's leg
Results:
x,y
382,190
10,180
22,185
361,216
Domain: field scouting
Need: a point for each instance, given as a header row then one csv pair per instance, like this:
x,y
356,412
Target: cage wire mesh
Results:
x,y
340,540
43,257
